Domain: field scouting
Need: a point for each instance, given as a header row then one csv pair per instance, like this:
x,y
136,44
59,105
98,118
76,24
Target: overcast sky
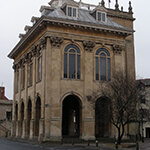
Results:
x,y
15,14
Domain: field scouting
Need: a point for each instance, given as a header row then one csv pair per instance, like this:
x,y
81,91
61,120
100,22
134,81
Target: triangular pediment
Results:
x,y
70,3
99,8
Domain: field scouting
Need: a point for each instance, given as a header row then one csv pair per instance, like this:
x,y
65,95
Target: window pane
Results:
x,y
103,68
39,69
109,69
99,16
17,82
102,49
72,66
74,12
97,68
103,17
103,54
23,84
65,65
78,67
72,51
69,11
30,74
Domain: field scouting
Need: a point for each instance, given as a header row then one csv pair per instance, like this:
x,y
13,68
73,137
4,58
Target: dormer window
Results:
x,y
101,16
71,11
70,8
99,13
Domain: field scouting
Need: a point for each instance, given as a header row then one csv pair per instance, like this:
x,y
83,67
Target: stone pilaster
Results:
x,y
31,129
24,128
18,128
13,128
47,88
41,129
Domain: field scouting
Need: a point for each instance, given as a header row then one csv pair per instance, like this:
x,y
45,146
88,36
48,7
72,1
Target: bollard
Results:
x,y
137,145
88,143
72,142
96,143
61,142
116,145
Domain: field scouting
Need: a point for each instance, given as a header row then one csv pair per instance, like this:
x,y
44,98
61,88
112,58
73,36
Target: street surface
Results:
x,y
6,144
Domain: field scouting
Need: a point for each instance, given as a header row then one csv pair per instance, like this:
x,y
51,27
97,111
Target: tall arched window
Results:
x,y
102,65
39,75
72,62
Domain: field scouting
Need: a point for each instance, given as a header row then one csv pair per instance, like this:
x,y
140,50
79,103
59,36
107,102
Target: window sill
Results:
x,y
70,79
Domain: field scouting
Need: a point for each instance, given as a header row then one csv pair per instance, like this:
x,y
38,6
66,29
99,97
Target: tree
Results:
x,y
122,96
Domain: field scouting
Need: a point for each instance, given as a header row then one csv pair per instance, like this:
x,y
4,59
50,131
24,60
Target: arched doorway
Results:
x,y
71,117
38,116
102,117
22,116
29,113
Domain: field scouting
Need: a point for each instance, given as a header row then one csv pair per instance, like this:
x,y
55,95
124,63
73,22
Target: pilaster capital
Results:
x,y
34,51
118,49
88,45
56,41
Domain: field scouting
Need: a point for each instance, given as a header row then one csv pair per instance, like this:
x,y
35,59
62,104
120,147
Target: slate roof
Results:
x,y
84,16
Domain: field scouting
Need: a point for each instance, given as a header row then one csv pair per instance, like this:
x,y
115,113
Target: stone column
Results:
x,y
13,125
19,129
48,88
41,129
24,128
31,129
119,59
26,97
55,120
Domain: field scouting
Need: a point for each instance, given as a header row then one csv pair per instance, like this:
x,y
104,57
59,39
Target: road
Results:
x,y
6,144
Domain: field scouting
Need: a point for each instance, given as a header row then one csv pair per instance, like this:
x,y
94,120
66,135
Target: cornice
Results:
x,y
44,21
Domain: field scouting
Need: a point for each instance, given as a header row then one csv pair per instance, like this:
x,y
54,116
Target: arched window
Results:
x,y
39,61
72,62
102,65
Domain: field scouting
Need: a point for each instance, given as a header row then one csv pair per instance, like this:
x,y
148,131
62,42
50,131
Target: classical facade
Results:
x,y
59,61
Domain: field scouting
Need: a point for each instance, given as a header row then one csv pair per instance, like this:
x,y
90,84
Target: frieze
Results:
x,y
88,45
56,41
118,49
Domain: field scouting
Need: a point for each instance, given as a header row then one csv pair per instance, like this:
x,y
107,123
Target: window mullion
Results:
x,y
99,67
67,65
76,63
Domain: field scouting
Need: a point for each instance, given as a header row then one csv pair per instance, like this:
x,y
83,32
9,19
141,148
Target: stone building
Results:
x,y
59,61
144,107
5,113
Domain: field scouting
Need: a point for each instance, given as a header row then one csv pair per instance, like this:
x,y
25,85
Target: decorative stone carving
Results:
x,y
130,8
43,43
56,41
26,57
34,51
118,48
88,45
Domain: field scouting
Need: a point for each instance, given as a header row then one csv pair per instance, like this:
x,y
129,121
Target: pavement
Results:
x,y
14,144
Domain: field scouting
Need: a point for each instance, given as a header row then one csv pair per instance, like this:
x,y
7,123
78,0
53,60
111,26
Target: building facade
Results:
x,y
59,61
5,113
144,107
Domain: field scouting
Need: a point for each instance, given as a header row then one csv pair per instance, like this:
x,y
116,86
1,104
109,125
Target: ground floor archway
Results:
x,y
102,117
71,116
